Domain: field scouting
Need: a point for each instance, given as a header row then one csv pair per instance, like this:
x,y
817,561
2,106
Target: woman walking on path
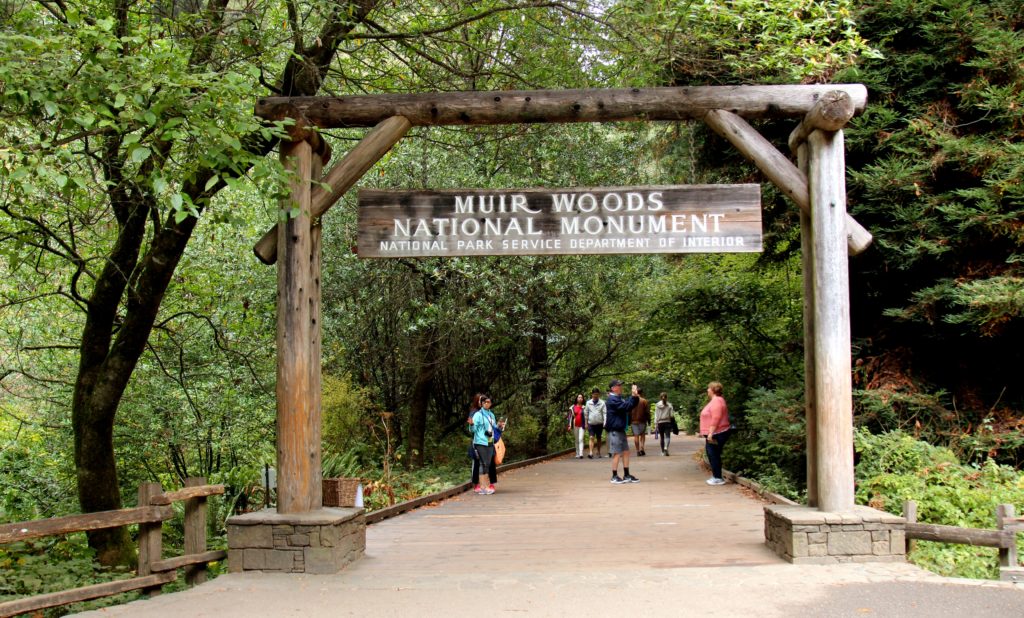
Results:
x,y
473,407
484,425
578,423
595,421
714,426
663,413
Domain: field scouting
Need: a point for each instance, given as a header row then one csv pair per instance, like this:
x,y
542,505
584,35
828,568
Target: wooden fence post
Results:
x,y
910,514
195,532
1007,555
150,536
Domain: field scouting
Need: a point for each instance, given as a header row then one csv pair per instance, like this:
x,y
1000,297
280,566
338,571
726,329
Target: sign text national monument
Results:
x,y
465,222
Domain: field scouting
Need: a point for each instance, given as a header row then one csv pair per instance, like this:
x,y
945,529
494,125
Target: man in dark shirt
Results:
x,y
615,421
640,417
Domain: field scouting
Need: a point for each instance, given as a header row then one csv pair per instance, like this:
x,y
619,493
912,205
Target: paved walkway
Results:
x,y
559,540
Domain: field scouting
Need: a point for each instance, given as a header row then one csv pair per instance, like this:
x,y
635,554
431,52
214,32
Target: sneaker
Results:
x,y
617,481
490,490
643,453
630,479
478,490
590,456
714,481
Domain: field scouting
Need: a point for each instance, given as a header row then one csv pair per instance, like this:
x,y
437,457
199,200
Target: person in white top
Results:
x,y
663,413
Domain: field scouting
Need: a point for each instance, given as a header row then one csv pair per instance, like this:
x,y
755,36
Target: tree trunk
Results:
x,y
421,392
538,353
127,294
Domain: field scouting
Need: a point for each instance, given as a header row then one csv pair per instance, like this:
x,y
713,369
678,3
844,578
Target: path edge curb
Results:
x,y
403,507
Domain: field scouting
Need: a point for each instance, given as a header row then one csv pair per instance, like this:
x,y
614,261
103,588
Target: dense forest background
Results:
x,y
137,328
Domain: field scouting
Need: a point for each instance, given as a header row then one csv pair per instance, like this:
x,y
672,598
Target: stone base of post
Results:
x,y
321,542
805,535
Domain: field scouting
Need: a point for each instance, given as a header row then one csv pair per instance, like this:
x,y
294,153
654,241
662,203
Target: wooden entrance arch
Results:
x,y
816,183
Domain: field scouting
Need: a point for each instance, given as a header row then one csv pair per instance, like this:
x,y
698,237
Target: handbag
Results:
x,y
499,452
675,426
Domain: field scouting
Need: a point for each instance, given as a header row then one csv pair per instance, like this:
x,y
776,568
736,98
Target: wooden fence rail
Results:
x,y
153,571
1004,537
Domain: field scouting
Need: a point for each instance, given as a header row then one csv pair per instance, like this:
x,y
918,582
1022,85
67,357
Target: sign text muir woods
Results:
x,y
658,219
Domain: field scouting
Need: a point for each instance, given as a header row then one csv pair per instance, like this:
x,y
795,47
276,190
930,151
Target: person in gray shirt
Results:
x,y
595,411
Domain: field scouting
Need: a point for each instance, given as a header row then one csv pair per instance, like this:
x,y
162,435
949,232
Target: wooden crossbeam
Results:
x,y
550,106
25,530
85,593
779,169
186,493
342,177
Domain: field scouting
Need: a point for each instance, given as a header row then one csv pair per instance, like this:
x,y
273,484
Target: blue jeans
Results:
x,y
714,452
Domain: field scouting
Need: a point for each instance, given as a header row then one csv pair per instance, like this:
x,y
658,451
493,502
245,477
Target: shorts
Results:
x,y
596,430
617,442
639,429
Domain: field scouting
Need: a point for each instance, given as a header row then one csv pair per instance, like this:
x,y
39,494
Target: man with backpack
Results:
x,y
595,410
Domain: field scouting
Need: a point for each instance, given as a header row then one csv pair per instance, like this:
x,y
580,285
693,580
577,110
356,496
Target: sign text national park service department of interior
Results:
x,y
657,219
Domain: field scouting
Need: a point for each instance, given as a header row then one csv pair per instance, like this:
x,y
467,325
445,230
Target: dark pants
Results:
x,y
665,433
714,452
481,466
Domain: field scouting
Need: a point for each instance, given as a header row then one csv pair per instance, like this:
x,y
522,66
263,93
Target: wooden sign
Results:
x,y
657,219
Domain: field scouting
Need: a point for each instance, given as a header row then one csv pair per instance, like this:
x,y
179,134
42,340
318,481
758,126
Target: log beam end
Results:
x,y
830,113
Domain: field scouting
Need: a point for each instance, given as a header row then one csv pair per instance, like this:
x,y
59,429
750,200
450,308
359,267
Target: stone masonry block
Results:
x,y
235,557
817,537
898,542
880,548
880,535
243,537
283,530
298,540
797,545
849,543
328,536
817,549
322,560
254,559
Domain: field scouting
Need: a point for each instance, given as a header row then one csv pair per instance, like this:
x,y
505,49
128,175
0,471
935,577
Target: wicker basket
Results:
x,y
341,491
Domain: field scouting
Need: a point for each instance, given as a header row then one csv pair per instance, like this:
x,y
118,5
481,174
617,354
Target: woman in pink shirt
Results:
x,y
714,426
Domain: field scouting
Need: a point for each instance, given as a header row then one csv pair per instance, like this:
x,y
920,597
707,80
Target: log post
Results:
x,y
195,532
833,386
778,169
910,514
150,536
810,416
315,333
1007,555
298,436
342,177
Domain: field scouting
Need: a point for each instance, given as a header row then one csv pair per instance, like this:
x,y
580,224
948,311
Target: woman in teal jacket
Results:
x,y
484,428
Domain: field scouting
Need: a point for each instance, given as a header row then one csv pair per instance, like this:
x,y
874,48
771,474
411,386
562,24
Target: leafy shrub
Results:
x,y
52,565
771,444
894,467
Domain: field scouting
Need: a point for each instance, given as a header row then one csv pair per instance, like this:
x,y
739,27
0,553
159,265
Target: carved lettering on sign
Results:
x,y
671,219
